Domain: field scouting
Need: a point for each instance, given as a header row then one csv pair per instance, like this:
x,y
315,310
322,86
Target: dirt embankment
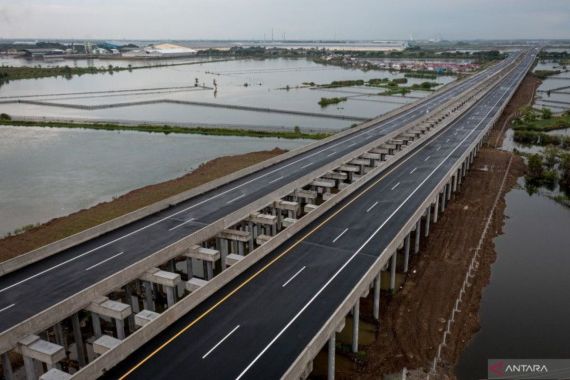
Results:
x,y
413,320
60,228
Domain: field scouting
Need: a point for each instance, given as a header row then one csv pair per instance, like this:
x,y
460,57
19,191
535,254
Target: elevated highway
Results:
x,y
43,288
273,319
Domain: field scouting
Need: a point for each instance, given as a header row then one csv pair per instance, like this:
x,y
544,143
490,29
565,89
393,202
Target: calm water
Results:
x,y
525,309
266,82
46,173
557,101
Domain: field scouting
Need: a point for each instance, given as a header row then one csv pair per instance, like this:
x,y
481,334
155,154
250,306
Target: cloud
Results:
x,y
299,19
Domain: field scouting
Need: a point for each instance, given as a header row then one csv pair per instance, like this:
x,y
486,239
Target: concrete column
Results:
x,y
393,271
435,209
332,352
251,237
189,269
81,356
133,301
7,367
148,301
241,248
209,270
171,265
443,201
454,183
30,367
448,189
418,232
376,307
170,296
120,326
59,336
355,325
428,217
96,321
406,252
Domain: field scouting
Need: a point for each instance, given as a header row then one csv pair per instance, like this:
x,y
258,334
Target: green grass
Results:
x,y
324,102
543,74
167,129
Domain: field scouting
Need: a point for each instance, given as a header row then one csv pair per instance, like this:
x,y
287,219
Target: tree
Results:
x,y
546,113
565,172
550,156
535,169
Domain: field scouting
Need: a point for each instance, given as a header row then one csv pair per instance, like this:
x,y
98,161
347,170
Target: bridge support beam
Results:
x,y
7,367
393,271
377,285
435,209
407,252
355,325
418,232
331,356
428,217
79,344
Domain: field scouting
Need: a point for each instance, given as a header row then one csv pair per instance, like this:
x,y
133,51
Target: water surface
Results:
x,y
49,172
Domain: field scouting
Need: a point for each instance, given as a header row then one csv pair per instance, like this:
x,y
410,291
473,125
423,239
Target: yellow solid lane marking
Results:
x,y
253,276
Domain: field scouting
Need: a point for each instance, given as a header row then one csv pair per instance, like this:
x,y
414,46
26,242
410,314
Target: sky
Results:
x,y
297,19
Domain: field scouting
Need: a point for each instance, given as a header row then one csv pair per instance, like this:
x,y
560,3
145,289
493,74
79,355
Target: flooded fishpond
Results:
x,y
525,311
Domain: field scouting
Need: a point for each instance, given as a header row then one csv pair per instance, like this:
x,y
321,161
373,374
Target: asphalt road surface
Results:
x,y
38,286
256,326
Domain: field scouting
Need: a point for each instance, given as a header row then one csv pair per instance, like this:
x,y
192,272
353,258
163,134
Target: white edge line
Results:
x,y
7,307
181,224
104,261
381,125
295,275
330,280
220,342
339,236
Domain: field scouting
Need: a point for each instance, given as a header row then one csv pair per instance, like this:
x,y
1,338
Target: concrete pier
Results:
x,y
376,302
145,316
355,325
104,344
168,280
115,310
417,237
207,256
393,264
79,344
55,374
406,252
34,349
428,217
233,259
331,356
7,367
194,284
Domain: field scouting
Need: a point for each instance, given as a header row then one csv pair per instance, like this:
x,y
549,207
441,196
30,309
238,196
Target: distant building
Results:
x,y
161,51
42,53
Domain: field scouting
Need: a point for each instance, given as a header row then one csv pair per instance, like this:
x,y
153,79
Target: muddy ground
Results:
x,y
68,225
413,320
